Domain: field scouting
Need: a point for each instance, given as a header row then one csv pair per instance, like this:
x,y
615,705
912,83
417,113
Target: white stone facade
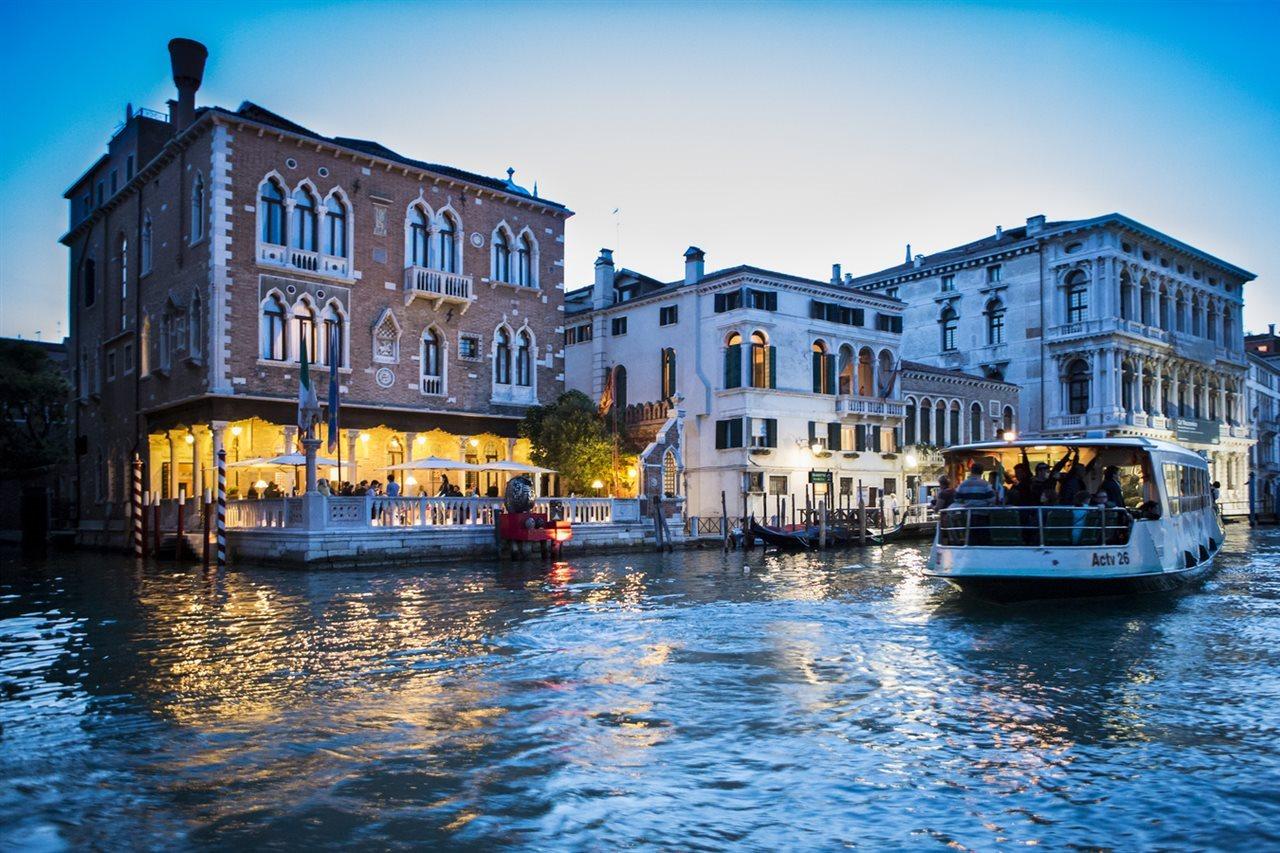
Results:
x,y
1104,324
681,340
1264,413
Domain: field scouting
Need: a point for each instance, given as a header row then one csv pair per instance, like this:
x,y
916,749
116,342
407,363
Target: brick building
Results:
x,y
208,245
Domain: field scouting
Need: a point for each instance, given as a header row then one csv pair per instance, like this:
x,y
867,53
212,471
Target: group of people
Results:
x,y
1059,485
392,489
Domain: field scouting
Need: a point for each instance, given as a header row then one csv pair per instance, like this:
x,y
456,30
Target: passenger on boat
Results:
x,y
1022,492
1073,481
1110,489
946,495
975,490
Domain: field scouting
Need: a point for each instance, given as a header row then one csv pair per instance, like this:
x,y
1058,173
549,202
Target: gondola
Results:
x,y
788,540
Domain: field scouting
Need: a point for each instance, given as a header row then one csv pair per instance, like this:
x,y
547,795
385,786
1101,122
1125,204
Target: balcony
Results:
x,y
433,385
1067,421
1230,355
1193,348
438,287
301,260
849,405
1106,326
514,395
1268,425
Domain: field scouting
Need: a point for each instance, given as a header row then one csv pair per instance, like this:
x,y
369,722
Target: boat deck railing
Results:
x,y
1046,526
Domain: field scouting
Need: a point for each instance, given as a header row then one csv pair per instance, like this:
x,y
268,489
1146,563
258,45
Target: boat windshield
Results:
x,y
1060,475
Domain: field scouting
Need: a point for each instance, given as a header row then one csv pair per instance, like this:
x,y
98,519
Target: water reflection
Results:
x,y
694,699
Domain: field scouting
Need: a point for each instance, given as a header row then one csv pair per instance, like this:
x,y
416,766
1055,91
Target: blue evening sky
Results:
x,y
788,135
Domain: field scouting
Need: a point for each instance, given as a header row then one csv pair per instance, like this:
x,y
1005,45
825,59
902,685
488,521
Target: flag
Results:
x,y
606,396
308,405
887,388
334,357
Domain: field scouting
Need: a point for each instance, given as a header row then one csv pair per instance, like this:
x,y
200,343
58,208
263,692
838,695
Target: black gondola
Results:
x,y
789,540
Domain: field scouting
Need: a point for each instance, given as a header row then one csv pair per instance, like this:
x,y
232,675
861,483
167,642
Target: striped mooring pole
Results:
x,y
222,509
136,506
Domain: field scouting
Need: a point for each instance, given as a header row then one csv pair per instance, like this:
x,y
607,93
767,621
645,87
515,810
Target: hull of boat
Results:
x,y
786,540
1006,589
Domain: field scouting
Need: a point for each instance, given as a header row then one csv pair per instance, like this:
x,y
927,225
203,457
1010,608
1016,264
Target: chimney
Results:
x,y
999,231
835,274
1035,224
1271,329
694,265
918,261
187,59
602,291
908,260
848,279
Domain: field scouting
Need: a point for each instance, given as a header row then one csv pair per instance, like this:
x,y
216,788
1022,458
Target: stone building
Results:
x,y
1264,413
209,245
1103,323
765,377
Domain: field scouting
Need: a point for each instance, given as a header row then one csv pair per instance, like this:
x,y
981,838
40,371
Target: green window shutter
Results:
x,y
719,303
771,432
859,316
817,373
875,439
772,301
812,432
860,437
722,435
833,436
733,366
773,367
735,432
815,309
831,375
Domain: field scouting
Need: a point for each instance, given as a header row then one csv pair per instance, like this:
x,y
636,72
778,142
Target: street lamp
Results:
x,y
911,460
597,485
1009,435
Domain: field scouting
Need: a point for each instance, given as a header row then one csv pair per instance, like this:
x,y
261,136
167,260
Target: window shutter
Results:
x,y
719,303
812,432
770,432
833,436
771,301
875,439
817,373
735,432
722,435
859,316
733,366
815,309
773,367
831,375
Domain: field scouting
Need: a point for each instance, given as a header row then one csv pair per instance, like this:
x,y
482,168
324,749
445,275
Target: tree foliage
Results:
x,y
33,408
570,436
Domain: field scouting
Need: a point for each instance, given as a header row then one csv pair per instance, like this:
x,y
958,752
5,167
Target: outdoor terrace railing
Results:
x,y
271,512
1020,527
365,511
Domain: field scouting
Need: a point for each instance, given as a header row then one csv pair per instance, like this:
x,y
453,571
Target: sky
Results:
x,y
789,136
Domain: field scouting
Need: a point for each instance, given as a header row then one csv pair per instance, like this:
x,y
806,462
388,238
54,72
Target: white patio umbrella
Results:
x,y
433,463
516,468
288,460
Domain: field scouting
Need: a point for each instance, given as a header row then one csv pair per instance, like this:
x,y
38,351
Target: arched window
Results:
x,y
845,383
1077,297
1228,339
910,421
733,360
432,360
197,208
524,360
995,322
948,322
144,346
670,475
1195,315
940,422
1144,299
886,375
335,227
124,281
1078,387
762,362
975,422
501,256
668,373
926,421
866,373
1166,309
524,262
502,357
333,344
90,282
1211,323
418,236
448,244
302,231
272,204
1126,296
164,341
823,369
954,422
304,329
146,243
1008,419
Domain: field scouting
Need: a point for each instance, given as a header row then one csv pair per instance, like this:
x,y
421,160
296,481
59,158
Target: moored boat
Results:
x,y
1164,534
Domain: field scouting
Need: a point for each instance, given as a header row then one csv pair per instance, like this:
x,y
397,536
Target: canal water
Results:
x,y
691,701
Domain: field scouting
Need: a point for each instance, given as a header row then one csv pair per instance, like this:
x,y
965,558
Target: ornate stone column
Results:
x,y
1140,387
290,433
353,435
197,462
1157,392
172,484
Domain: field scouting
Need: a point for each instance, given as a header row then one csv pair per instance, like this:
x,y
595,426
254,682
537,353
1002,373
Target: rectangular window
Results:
x,y
618,326
753,481
833,312
889,323
668,315
778,485
101,193
764,432
891,292
570,337
469,347
114,184
948,283
762,300
111,364
728,301
728,433
127,360
993,274
585,332
128,168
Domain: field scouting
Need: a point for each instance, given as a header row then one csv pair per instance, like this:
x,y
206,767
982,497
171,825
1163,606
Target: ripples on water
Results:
x,y
690,701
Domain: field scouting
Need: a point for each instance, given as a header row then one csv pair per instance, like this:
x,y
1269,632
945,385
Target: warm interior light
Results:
x,y
475,442
189,438
912,460
816,447
597,484
422,439
364,436
1041,447
260,485
333,473
411,480
235,430
1010,435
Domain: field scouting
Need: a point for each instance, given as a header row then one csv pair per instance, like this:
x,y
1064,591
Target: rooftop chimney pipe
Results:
x,y
187,60
835,274
694,265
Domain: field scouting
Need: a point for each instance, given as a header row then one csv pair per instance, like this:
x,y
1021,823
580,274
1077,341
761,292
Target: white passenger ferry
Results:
x,y
1164,536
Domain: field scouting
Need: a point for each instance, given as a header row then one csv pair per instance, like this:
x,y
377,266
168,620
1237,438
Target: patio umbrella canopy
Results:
x,y
434,463
287,460
515,468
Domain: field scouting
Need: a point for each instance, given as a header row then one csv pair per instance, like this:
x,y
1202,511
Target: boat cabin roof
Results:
x,y
1129,442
